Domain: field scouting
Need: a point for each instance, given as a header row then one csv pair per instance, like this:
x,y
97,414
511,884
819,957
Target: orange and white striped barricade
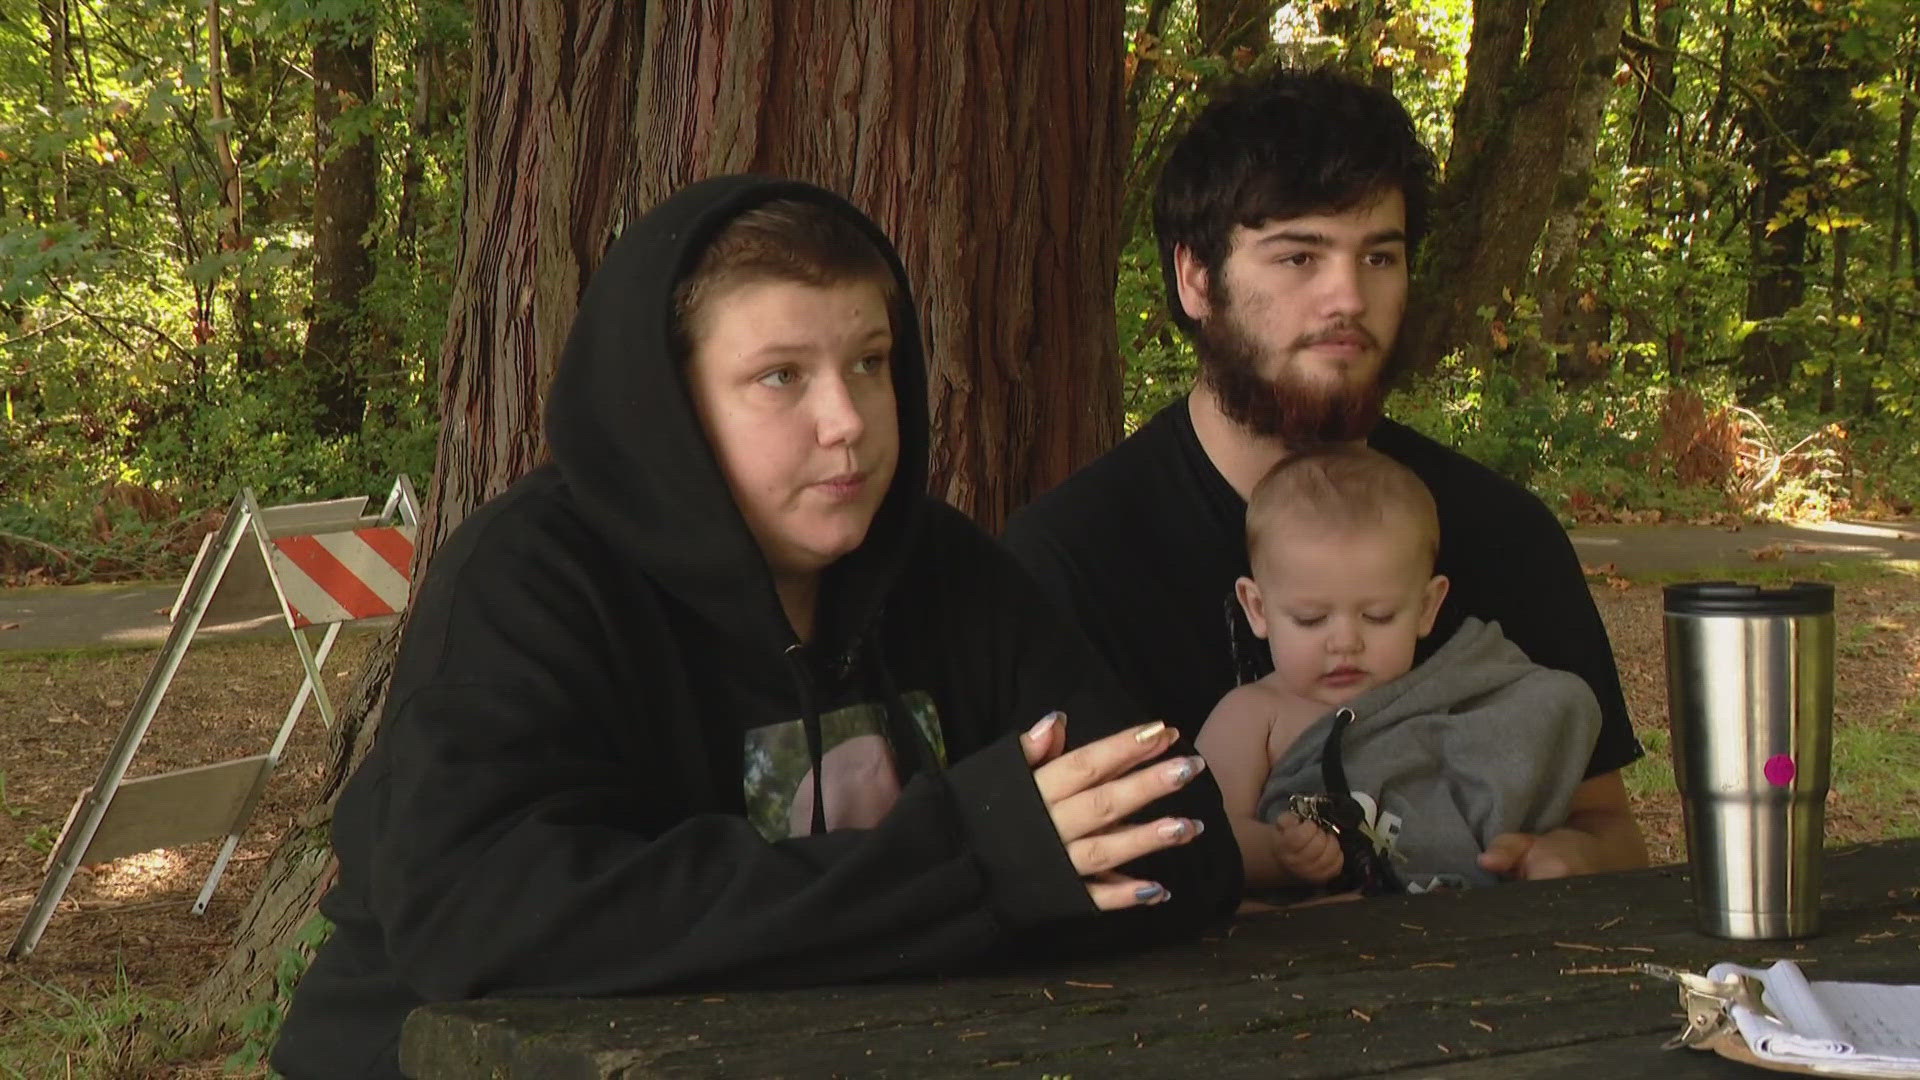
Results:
x,y
310,554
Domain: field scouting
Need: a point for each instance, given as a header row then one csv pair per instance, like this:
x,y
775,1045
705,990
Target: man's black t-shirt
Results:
x,y
1143,547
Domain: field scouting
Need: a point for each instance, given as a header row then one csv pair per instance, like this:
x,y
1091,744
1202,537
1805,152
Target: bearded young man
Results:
x,y
1286,218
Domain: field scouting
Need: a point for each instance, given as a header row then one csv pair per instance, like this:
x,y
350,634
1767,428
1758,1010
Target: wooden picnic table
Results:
x,y
1527,979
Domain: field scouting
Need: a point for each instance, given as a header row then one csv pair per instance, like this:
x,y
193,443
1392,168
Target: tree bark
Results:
x,y
1227,26
1653,118
247,349
413,168
1896,224
1812,114
1576,328
1516,133
345,169
230,200
1838,307
53,15
983,135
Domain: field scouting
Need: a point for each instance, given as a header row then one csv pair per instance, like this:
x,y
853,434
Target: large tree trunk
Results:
x,y
982,134
1515,134
343,205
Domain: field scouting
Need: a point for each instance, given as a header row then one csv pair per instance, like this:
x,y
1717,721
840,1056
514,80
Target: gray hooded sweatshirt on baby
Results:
x,y
1475,742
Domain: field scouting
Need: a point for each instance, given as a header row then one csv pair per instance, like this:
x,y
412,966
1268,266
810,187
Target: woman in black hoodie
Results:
x,y
721,698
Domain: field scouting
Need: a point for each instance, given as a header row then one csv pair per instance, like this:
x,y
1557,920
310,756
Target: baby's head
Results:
x,y
1341,541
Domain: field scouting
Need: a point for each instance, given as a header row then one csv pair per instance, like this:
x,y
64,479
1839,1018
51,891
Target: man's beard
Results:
x,y
1299,411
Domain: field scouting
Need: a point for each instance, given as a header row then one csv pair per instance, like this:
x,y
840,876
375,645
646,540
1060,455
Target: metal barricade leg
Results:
x,y
273,761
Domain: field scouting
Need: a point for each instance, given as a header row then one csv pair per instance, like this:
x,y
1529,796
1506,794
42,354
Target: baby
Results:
x,y
1440,758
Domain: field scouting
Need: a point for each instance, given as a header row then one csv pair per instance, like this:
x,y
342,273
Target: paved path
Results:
x,y
134,616
116,616
1639,549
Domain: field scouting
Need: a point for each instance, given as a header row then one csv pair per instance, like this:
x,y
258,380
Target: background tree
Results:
x,y
346,169
1523,131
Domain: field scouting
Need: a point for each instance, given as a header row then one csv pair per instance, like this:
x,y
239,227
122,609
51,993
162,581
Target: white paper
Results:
x,y
1868,1029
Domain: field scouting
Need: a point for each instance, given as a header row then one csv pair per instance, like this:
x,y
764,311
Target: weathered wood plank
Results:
x,y
1529,979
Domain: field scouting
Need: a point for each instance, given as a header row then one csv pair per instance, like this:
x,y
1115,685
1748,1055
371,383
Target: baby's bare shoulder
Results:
x,y
1286,713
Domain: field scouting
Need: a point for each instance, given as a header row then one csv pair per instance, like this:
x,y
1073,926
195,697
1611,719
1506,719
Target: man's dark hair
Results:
x,y
1280,145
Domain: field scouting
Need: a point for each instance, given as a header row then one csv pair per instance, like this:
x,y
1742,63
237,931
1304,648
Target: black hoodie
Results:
x,y
599,707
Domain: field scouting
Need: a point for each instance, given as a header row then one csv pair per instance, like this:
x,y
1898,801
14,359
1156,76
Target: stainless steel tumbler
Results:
x,y
1750,707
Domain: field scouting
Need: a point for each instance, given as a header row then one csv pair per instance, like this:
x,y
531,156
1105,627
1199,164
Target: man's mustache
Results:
x,y
1337,332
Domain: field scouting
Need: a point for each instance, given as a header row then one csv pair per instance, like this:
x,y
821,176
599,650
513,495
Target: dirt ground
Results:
x,y
130,918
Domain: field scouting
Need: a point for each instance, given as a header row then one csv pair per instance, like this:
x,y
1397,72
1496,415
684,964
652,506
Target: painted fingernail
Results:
x,y
1183,827
1185,769
1151,893
1039,731
1150,732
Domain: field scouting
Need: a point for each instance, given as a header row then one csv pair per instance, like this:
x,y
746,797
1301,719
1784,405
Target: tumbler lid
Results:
x,y
1733,598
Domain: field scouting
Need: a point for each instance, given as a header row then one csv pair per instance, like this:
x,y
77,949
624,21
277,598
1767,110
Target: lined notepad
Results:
x,y
1865,1029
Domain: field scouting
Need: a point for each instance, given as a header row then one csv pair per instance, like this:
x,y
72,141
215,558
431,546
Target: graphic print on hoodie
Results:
x,y
863,779
557,801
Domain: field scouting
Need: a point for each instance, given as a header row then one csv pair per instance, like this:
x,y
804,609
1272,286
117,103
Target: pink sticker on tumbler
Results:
x,y
1779,770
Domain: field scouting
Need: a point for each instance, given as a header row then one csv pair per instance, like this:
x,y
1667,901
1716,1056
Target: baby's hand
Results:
x,y
1305,850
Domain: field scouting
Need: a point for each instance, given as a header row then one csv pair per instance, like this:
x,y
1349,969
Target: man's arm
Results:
x,y
1600,834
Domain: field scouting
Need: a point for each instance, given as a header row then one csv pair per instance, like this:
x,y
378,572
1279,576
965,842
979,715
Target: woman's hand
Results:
x,y
1089,791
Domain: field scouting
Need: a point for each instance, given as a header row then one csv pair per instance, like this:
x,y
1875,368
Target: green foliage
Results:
x,y
40,840
116,1033
149,366
1641,447
1575,395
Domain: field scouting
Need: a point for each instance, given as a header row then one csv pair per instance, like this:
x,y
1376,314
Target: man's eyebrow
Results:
x,y
1318,239
1296,236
